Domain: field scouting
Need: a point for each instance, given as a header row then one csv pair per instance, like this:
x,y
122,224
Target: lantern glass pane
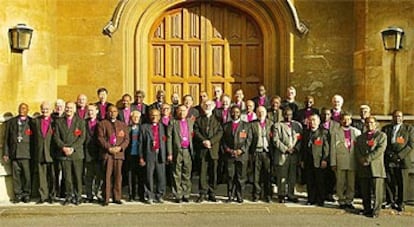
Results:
x,y
389,42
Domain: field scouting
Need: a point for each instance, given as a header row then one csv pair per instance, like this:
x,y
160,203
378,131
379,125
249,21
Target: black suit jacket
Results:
x,y
91,143
74,137
240,139
18,149
208,129
146,139
108,104
402,147
43,151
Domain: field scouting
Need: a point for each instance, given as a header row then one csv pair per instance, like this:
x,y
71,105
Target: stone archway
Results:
x,y
272,17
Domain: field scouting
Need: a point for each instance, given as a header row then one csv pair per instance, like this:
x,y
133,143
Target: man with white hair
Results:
x,y
207,136
337,103
82,106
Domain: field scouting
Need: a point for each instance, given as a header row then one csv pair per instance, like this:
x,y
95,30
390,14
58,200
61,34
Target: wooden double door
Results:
x,y
200,46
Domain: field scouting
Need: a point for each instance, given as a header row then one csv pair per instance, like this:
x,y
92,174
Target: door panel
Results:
x,y
199,46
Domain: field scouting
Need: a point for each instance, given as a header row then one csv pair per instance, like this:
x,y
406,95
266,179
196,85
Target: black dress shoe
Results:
x,y
212,198
282,199
343,206
201,199
240,200
66,202
255,199
186,200
160,200
26,199
41,201
105,203
268,199
350,206
293,199
178,200
118,202
229,200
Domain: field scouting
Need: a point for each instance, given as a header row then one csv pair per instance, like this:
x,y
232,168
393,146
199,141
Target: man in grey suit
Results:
x,y
261,150
17,148
208,133
343,160
287,138
400,143
69,136
180,149
152,154
369,153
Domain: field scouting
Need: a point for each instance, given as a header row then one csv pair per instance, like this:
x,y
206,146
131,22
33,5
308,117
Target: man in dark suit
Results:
x,y
236,141
18,148
400,143
69,136
113,138
261,150
140,105
208,133
261,99
103,103
302,115
160,99
180,149
370,149
93,161
152,154
314,159
125,112
42,156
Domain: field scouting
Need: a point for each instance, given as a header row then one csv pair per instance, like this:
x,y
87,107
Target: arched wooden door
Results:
x,y
199,46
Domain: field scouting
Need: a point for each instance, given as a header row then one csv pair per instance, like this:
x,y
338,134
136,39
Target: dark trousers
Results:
x,y
330,182
315,183
59,179
368,185
21,178
72,173
395,186
261,174
287,176
46,176
208,174
157,168
136,177
113,170
93,179
236,179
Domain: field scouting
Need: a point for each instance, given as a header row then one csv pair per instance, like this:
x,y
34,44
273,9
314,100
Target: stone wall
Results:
x,y
323,58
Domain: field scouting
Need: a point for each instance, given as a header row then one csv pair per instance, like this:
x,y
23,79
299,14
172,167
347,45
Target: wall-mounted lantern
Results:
x,y
392,38
20,37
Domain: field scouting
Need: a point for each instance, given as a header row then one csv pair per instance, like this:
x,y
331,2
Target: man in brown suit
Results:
x,y
208,133
400,143
17,148
42,156
369,153
69,137
113,138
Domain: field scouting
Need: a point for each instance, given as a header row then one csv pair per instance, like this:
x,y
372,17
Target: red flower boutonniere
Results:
x,y
28,132
298,136
192,134
370,143
271,134
318,142
77,132
164,138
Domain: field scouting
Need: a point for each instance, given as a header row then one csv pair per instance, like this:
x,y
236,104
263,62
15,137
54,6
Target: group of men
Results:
x,y
223,139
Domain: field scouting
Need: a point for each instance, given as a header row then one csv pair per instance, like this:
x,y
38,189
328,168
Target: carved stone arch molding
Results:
x,y
273,17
